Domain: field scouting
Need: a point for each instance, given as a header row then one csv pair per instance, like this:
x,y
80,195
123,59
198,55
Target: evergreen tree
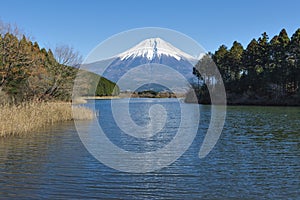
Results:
x,y
294,61
234,60
264,60
219,57
279,62
250,67
266,72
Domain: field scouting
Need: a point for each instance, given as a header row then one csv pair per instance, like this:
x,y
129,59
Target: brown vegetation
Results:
x,y
30,117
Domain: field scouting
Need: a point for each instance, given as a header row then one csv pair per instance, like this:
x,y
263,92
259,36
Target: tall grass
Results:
x,y
30,117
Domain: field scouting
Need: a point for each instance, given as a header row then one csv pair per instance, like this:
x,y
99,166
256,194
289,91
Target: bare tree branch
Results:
x,y
66,55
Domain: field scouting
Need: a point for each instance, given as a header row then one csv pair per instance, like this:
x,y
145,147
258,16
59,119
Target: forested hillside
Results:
x,y
29,73
266,72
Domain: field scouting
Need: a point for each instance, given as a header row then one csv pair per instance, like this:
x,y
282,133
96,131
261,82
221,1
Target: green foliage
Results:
x,y
265,69
148,92
104,87
29,73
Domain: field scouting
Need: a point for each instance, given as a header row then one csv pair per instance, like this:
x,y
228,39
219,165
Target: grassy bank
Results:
x,y
30,117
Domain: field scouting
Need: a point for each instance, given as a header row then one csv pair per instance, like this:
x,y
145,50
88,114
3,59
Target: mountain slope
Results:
x,y
148,52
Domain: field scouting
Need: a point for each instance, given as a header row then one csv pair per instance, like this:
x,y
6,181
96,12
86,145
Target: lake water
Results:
x,y
256,157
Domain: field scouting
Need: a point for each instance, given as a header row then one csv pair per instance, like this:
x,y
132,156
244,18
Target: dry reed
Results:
x,y
30,117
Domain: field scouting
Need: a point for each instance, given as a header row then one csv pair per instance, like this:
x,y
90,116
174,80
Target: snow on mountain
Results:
x,y
154,47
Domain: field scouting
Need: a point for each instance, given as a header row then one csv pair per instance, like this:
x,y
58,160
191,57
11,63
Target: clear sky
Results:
x,y
84,24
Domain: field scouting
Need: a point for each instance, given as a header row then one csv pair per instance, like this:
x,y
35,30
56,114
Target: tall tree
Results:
x,y
250,67
14,65
294,61
219,57
279,62
204,69
264,59
234,59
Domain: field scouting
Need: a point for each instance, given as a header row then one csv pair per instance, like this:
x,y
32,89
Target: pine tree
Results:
x,y
219,57
264,60
234,60
294,61
250,67
279,62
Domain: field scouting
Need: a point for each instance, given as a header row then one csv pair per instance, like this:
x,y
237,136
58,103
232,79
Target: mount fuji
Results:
x,y
154,48
149,51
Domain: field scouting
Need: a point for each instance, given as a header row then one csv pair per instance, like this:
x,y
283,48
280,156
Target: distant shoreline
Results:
x,y
101,97
144,94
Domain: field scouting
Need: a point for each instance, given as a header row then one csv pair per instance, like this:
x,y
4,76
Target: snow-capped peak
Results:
x,y
154,47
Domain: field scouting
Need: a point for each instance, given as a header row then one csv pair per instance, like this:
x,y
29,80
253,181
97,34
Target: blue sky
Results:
x,y
84,24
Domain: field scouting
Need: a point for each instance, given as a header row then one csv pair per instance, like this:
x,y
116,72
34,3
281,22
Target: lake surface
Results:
x,y
256,157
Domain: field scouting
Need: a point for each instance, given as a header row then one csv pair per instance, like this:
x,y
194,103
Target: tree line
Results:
x,y
31,73
267,71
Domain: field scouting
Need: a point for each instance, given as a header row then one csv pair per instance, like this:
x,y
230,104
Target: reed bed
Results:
x,y
29,117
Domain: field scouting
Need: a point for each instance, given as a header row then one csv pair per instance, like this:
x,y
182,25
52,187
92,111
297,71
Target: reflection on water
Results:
x,y
257,157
